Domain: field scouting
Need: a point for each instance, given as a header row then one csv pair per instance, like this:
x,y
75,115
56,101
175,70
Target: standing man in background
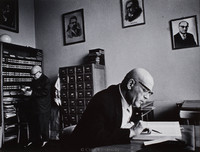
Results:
x,y
39,93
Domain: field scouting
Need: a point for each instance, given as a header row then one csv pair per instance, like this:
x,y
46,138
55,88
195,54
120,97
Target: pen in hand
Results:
x,y
156,131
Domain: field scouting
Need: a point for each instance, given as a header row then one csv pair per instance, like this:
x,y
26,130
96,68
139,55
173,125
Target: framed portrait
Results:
x,y
73,27
184,32
9,15
132,12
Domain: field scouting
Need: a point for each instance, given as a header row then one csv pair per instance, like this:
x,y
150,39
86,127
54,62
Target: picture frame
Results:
x,y
9,17
132,12
184,32
73,27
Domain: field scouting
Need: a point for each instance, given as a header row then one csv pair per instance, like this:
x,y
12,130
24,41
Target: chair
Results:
x,y
190,115
22,122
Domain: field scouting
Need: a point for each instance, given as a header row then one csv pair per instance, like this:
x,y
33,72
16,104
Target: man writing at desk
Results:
x,y
112,114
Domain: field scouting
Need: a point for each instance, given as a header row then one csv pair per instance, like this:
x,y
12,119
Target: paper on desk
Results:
x,y
168,129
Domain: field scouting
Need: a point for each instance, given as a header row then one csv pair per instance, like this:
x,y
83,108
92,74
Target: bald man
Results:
x,y
183,39
112,114
40,108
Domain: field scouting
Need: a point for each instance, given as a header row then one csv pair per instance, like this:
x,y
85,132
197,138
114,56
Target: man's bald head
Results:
x,y
36,71
137,86
139,74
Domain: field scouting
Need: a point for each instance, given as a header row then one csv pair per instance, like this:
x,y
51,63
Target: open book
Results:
x,y
160,131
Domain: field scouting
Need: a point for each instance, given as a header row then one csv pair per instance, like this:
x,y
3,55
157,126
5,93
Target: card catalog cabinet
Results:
x,y
16,63
78,85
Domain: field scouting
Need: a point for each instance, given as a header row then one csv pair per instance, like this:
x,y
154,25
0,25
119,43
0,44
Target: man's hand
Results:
x,y
28,93
137,129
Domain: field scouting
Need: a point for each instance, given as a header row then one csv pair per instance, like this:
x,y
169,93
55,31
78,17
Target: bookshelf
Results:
x,y
16,63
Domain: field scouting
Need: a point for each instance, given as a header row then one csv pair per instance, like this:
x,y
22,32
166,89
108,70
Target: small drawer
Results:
x,y
65,102
71,86
64,86
71,70
80,102
79,78
62,71
79,69
63,79
65,110
72,110
72,94
88,77
64,94
88,68
71,79
80,86
88,94
87,101
65,118
80,110
72,102
88,85
80,94
73,119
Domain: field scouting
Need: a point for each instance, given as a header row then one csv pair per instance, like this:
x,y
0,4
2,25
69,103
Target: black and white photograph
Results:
x,y
184,32
132,12
9,15
73,27
100,76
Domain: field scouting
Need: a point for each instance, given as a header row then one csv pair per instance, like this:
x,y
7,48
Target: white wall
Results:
x,y
176,72
26,35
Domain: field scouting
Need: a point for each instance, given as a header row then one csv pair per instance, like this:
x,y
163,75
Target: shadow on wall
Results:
x,y
166,111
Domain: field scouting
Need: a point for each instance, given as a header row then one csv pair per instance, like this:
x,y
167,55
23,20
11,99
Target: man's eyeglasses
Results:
x,y
145,88
184,26
35,73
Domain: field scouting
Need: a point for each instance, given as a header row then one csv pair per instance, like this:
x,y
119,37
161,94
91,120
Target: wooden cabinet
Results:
x,y
78,85
16,63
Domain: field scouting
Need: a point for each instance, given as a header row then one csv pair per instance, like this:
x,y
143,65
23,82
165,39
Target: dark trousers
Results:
x,y
39,127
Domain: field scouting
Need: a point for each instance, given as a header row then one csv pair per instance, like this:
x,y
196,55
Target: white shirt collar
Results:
x,y
182,36
123,100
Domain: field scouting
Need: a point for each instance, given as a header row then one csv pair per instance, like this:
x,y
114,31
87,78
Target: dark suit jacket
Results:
x,y
188,42
101,121
40,98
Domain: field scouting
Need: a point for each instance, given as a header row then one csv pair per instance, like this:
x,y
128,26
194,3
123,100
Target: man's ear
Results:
x,y
130,84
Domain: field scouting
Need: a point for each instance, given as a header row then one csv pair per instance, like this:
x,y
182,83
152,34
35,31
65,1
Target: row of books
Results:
x,y
13,66
10,100
16,74
7,54
11,87
9,111
11,126
19,61
17,79
12,93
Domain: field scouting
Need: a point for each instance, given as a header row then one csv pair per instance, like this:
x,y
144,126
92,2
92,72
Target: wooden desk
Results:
x,y
136,145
